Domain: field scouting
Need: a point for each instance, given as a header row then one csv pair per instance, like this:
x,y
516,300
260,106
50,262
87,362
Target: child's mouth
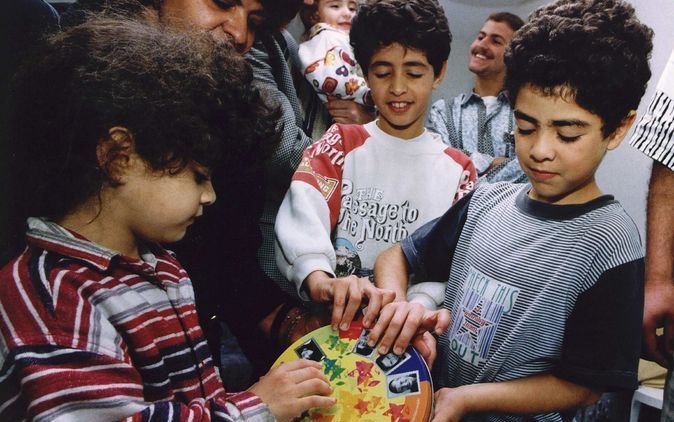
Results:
x,y
399,106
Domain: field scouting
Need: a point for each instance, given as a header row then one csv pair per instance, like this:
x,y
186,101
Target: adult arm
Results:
x,y
654,136
350,112
505,169
268,68
659,296
493,168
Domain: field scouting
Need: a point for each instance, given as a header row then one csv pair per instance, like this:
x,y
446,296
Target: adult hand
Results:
x,y
293,387
349,112
448,405
347,295
401,322
659,312
496,162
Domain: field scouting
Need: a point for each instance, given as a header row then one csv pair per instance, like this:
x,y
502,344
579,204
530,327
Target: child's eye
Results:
x,y
524,132
568,138
381,75
201,177
415,75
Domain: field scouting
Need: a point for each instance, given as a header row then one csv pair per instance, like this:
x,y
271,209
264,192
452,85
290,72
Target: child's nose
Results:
x,y
398,85
208,195
542,148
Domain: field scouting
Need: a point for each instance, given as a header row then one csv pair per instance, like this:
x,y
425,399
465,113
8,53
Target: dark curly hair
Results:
x,y
418,24
597,51
183,97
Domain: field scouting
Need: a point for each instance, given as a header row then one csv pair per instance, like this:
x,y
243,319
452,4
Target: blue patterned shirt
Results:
x,y
465,124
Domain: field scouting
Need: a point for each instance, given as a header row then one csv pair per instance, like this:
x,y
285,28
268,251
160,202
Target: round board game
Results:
x,y
369,387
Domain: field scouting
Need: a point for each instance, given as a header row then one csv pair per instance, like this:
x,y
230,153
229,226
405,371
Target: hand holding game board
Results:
x,y
368,386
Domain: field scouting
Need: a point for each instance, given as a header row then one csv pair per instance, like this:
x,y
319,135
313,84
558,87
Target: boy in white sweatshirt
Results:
x,y
362,188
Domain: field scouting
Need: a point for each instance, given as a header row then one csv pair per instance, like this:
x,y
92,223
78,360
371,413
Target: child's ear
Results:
x,y
618,135
114,154
440,76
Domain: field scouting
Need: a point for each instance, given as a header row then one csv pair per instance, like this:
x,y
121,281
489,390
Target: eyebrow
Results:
x,y
411,63
556,123
523,116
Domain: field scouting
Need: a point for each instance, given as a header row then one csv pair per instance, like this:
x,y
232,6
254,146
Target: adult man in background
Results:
x,y
480,122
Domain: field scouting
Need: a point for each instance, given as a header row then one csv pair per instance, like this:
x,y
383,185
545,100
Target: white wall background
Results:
x,y
625,171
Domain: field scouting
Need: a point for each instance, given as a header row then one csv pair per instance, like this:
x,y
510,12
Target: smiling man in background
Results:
x,y
480,123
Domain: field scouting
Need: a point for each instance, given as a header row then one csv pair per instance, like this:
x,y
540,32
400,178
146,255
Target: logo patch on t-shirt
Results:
x,y
484,301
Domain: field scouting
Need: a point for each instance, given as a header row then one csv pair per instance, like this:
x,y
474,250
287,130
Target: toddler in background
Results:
x,y
326,57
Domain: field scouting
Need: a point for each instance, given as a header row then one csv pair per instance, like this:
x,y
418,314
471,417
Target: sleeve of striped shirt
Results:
x,y
602,340
47,382
430,249
654,135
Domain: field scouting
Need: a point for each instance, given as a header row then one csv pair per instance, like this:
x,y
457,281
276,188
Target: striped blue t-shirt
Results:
x,y
534,288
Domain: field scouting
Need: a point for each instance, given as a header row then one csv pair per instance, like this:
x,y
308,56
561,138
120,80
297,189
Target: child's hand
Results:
x,y
448,405
293,387
401,322
347,295
426,346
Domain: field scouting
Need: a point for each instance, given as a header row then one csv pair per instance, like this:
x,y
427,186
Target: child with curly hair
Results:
x,y
545,279
116,125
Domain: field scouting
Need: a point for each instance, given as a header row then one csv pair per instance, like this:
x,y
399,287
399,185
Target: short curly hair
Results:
x,y
184,97
418,24
597,51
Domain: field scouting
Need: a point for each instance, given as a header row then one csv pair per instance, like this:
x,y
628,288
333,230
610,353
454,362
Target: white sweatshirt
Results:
x,y
358,191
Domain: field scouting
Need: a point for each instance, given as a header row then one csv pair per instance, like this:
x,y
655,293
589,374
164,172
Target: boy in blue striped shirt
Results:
x,y
545,280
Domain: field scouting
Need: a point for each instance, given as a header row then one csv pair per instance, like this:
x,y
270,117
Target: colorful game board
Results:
x,y
369,387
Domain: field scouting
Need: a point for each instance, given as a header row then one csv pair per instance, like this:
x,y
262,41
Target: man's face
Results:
x,y
486,52
236,20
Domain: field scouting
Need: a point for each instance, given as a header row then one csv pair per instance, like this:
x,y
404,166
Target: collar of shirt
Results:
x,y
472,97
53,237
